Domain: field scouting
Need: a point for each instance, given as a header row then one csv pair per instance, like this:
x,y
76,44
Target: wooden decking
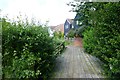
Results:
x,y
75,63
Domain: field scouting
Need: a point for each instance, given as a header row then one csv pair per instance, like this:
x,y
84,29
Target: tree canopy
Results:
x,y
102,37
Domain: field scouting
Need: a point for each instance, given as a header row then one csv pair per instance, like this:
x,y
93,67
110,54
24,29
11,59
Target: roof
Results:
x,y
60,27
78,16
57,28
70,21
52,27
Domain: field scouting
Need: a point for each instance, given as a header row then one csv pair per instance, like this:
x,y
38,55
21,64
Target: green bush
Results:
x,y
68,42
108,41
88,40
71,33
58,35
103,38
81,30
106,47
28,51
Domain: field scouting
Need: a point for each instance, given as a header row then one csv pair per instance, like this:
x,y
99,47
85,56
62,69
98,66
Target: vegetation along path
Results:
x,y
75,63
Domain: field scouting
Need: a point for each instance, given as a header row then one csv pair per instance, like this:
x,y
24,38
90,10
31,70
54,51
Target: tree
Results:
x,y
102,38
71,33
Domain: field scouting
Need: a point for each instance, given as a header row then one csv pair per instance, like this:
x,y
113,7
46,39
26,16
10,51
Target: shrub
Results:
x,y
103,40
81,30
59,35
88,40
28,52
71,33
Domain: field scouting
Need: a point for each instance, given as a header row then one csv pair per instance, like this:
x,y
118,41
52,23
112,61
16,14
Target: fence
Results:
x,y
59,49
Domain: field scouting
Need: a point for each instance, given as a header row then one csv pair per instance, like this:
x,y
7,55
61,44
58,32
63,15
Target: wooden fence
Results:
x,y
59,49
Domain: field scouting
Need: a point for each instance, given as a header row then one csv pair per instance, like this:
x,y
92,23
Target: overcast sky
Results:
x,y
56,11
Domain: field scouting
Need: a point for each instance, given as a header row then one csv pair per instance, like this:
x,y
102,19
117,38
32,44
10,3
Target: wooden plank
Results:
x,y
75,63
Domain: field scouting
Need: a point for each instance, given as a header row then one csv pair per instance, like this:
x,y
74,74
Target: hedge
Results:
x,y
28,51
102,39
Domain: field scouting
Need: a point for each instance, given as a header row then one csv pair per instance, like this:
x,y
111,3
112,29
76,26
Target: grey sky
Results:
x,y
56,11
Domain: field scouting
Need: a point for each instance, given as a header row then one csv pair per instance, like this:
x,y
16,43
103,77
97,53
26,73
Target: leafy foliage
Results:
x,y
71,33
81,30
88,40
58,35
28,51
102,38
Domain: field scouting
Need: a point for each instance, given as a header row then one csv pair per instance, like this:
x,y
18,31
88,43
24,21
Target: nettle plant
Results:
x,y
27,50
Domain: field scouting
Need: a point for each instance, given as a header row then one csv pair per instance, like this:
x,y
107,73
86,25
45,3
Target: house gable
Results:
x,y
76,21
67,26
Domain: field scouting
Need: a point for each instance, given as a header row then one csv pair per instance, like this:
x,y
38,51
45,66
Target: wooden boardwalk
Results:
x,y
75,63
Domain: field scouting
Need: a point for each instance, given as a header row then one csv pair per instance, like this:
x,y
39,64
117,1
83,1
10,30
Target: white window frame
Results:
x,y
77,22
72,26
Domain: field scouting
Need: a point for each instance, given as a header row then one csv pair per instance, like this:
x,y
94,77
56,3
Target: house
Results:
x,y
67,26
72,23
58,28
80,24
76,22
52,28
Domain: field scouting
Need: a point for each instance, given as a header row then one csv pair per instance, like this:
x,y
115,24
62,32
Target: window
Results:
x,y
72,26
77,22
66,27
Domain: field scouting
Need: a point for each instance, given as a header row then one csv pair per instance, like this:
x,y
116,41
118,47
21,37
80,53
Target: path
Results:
x,y
75,63
78,42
